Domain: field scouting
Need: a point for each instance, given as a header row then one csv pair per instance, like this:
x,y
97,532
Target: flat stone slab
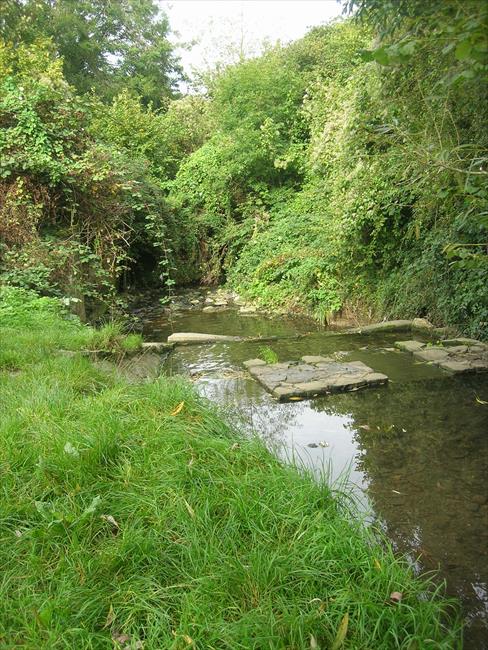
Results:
x,y
196,337
313,376
409,346
254,362
457,356
393,325
461,340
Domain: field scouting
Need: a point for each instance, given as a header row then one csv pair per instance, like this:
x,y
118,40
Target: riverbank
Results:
x,y
134,517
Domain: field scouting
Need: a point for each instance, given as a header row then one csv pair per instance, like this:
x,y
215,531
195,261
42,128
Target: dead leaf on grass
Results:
x,y
120,638
110,520
396,597
341,632
178,408
110,618
190,509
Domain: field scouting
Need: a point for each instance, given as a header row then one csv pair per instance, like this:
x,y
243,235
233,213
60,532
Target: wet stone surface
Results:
x,y
313,376
455,355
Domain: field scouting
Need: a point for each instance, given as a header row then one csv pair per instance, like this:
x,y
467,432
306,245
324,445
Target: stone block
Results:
x,y
409,346
302,379
252,363
431,354
315,359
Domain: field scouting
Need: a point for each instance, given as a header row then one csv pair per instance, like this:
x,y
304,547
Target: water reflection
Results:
x,y
418,447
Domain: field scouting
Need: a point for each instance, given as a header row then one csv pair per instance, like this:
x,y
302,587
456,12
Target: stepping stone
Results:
x,y
313,377
316,359
385,326
409,346
459,356
463,341
422,324
432,354
254,362
195,337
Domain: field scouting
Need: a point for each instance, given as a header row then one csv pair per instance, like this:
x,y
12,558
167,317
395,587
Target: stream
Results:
x,y
415,452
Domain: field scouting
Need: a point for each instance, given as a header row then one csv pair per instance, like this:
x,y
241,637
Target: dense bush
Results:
x,y
352,173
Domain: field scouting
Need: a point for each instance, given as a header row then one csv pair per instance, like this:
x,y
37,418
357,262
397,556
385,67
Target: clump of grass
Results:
x,y
268,354
110,339
134,512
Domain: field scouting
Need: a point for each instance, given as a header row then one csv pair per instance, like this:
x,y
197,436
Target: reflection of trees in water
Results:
x,y
250,408
424,452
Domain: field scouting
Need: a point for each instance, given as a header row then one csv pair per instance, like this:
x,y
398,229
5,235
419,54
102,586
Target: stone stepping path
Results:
x,y
458,356
312,376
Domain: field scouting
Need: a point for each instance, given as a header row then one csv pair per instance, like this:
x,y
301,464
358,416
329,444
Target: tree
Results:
x,y
105,45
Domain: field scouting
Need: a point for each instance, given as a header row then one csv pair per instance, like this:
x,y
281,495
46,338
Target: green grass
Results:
x,y
268,354
132,516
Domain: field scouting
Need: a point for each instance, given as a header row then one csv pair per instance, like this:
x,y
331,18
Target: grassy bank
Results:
x,y
133,517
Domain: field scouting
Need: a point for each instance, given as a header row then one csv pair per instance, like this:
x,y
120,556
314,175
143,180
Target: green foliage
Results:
x,y
107,46
268,354
23,308
331,181
76,207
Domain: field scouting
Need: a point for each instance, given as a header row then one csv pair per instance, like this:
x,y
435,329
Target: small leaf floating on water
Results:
x,y
341,633
396,597
178,408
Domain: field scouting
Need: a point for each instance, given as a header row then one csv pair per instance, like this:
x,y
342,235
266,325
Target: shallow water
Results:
x,y
415,450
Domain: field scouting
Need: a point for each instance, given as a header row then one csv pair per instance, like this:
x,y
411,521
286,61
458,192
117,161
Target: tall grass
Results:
x,y
131,516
